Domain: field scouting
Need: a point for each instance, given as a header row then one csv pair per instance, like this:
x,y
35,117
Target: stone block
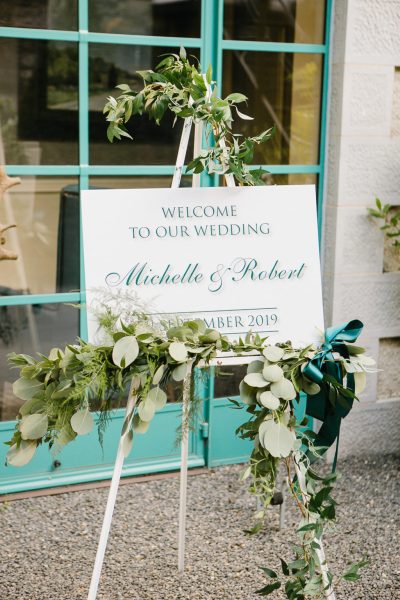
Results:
x,y
358,245
367,100
374,299
369,167
389,361
395,125
372,35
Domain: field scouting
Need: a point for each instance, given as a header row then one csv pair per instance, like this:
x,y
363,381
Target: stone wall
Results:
x,y
364,162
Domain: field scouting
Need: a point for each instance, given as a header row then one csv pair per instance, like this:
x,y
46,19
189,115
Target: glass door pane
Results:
x,y
283,90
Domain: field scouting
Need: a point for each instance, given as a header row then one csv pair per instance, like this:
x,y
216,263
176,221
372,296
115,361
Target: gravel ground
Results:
x,y
47,545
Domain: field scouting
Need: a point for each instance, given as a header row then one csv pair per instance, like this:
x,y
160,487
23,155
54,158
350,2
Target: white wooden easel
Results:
x,y
132,398
112,495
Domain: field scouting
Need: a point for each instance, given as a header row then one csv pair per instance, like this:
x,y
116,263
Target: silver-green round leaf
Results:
x,y
158,375
276,438
273,353
82,422
178,351
33,427
146,410
125,351
255,380
18,457
284,389
268,400
157,397
247,393
256,366
272,373
180,372
140,426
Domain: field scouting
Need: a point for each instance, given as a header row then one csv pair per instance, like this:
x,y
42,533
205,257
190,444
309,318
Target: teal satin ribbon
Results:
x,y
325,406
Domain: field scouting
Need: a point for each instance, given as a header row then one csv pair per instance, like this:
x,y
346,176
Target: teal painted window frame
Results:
x,y
211,45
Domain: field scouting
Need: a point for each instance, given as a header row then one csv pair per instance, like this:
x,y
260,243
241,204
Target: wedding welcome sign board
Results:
x,y
243,258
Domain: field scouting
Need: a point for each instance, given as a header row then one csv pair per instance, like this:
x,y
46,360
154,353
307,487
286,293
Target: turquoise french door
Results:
x,y
59,63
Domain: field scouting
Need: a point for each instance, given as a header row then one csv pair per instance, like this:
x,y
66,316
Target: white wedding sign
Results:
x,y
243,258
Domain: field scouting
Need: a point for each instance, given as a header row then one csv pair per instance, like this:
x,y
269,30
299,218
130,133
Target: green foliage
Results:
x,y
178,86
390,220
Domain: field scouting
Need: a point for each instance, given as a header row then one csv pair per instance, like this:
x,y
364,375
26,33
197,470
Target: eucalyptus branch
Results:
x,y
178,86
390,220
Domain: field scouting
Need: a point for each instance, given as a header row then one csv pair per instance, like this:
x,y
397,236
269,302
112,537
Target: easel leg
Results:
x,y
112,496
184,469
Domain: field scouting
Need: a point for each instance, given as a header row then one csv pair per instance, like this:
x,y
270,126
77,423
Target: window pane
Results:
x,y
30,329
39,102
171,18
227,379
291,179
155,181
152,144
283,90
299,21
46,239
39,14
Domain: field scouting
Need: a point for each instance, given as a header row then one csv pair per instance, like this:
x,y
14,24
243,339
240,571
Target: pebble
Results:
x,y
48,544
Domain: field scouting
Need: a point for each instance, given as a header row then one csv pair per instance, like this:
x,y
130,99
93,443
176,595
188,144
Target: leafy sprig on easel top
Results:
x,y
178,86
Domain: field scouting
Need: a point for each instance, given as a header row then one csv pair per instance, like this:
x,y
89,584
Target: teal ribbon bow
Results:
x,y
326,406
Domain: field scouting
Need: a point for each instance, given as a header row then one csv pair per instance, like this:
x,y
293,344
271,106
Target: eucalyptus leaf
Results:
x,y
140,426
272,373
178,351
276,438
82,422
25,389
273,353
360,381
256,366
284,389
157,397
18,457
255,380
125,351
268,400
180,372
33,427
158,375
310,387
247,393
146,410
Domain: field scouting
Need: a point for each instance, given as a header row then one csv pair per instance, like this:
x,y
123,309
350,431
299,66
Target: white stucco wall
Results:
x,y
364,162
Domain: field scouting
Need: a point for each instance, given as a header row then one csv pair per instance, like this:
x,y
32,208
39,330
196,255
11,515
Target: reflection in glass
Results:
x,y
116,183
38,102
111,65
291,179
227,381
146,17
284,91
288,21
39,14
46,239
30,329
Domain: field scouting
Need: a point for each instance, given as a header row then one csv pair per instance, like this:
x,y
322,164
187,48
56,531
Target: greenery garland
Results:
x,y
179,87
61,390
